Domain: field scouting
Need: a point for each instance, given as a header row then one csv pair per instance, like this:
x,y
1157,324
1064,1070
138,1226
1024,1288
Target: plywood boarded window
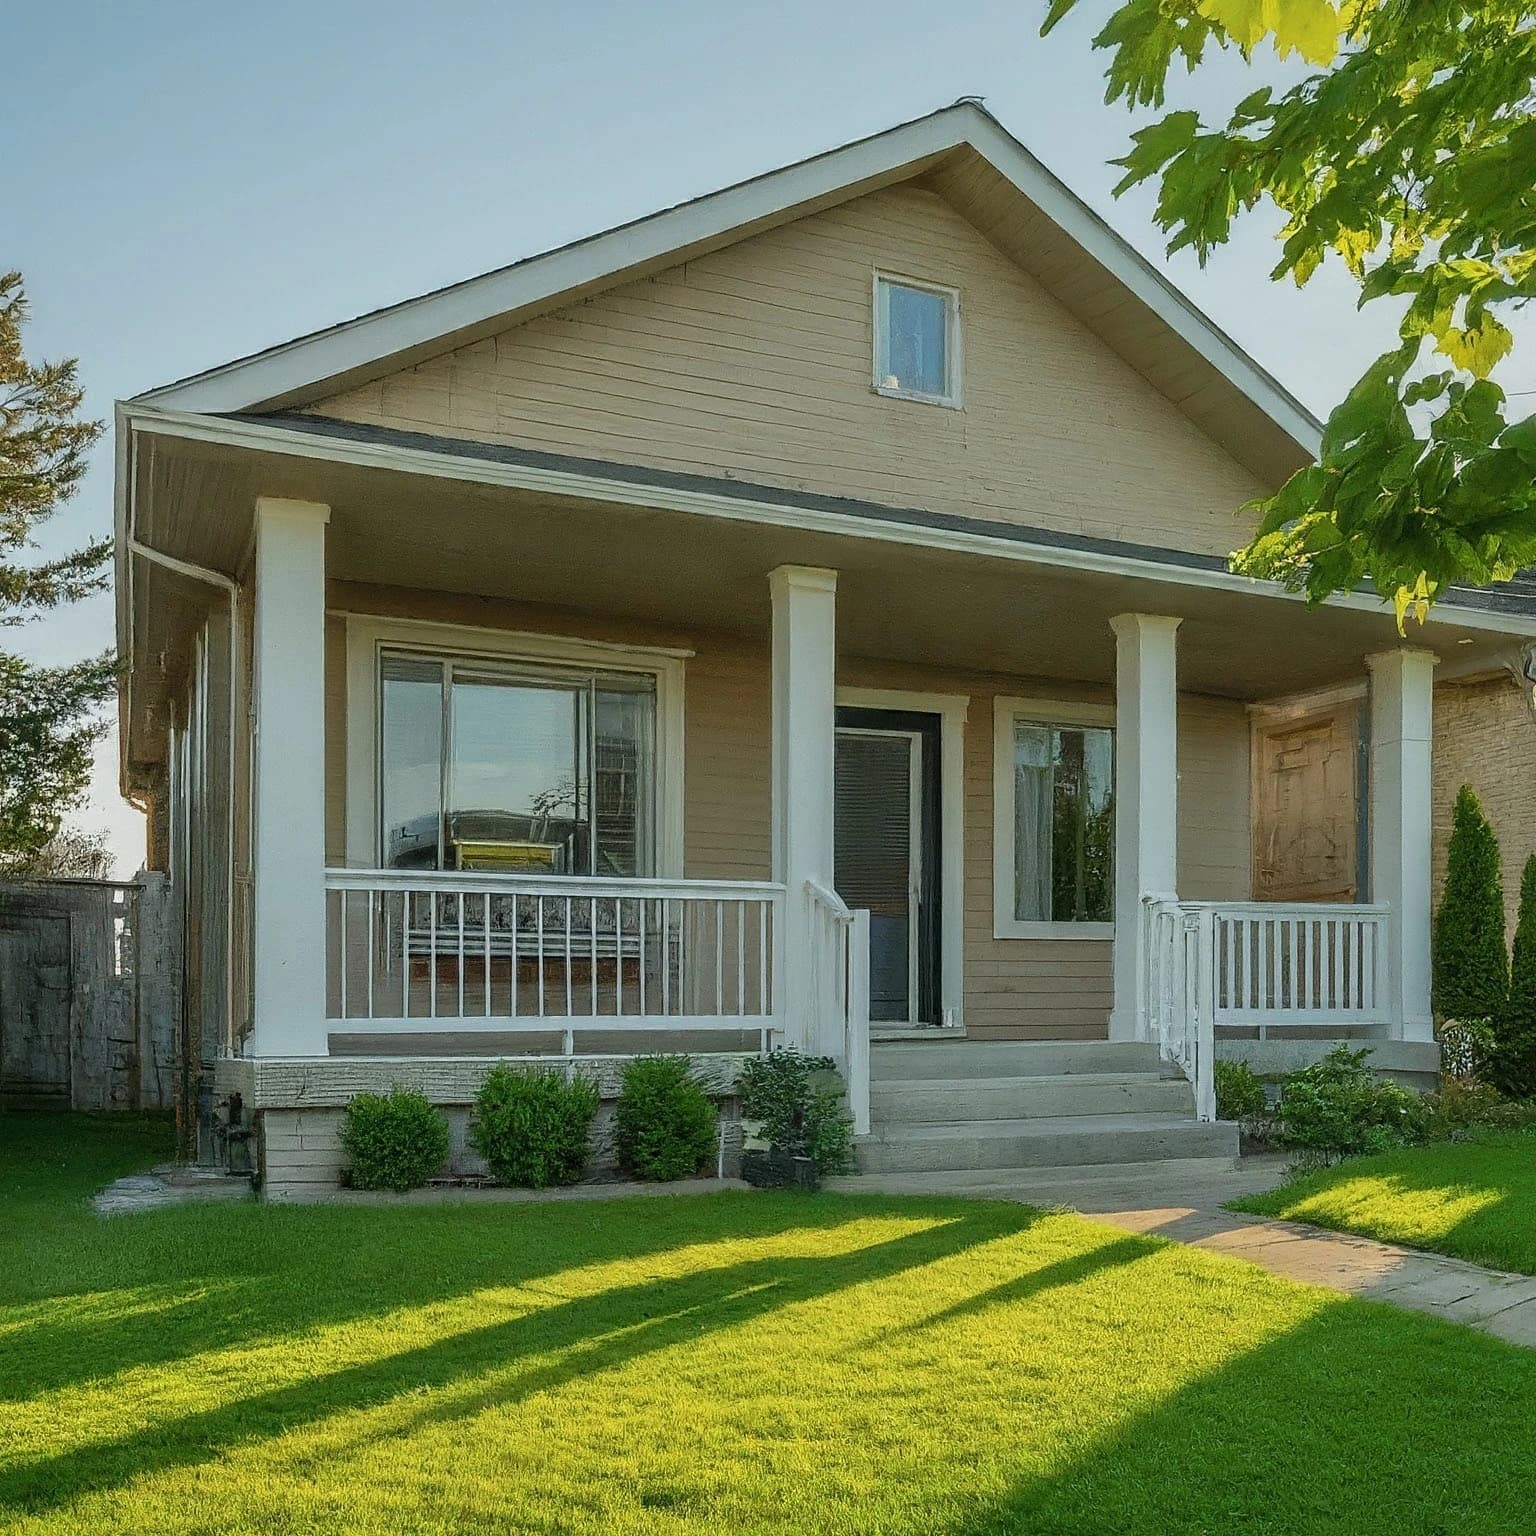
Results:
x,y
1307,797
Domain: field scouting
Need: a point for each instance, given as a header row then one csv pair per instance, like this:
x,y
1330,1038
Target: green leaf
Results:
x,y
1479,349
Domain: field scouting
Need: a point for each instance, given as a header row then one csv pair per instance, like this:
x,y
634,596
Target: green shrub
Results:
x,y
1239,1093
1471,967
395,1140
1337,1106
1512,1064
1460,1110
533,1128
799,1100
664,1123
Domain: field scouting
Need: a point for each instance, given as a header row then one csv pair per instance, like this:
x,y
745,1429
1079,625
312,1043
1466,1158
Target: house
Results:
x,y
799,615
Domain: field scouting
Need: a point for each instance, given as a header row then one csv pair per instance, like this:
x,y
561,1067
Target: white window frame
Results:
x,y
367,637
1006,712
951,398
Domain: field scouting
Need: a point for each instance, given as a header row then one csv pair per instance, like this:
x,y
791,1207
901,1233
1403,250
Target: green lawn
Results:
x,y
739,1363
1473,1199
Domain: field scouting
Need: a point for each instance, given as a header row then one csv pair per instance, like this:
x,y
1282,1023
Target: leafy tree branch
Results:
x,y
1407,155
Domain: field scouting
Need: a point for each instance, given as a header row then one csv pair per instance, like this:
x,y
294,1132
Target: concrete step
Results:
x,y
908,1101
1050,1141
928,1059
1053,1185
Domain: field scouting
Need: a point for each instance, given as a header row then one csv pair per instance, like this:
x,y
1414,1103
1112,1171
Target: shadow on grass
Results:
x,y
213,1277
1359,1420
587,1335
1064,1272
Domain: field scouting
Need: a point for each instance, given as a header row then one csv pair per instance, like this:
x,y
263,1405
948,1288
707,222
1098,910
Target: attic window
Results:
x,y
917,341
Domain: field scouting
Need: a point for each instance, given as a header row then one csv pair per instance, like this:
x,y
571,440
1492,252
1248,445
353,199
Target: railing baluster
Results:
x,y
344,949
719,1008
459,901
539,952
741,959
432,955
485,949
641,905
1312,963
368,950
570,917
1263,963
762,958
666,958
1336,939
405,954
592,946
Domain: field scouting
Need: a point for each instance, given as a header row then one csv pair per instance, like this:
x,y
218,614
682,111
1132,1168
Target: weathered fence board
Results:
x,y
90,973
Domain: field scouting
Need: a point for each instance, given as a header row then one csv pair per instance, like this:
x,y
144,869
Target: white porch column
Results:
x,y
288,792
1402,713
1146,797
804,719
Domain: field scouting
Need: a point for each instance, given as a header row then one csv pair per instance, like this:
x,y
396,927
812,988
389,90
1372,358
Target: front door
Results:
x,y
886,853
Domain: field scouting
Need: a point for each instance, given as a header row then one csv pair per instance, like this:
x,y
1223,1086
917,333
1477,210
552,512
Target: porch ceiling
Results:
x,y
896,601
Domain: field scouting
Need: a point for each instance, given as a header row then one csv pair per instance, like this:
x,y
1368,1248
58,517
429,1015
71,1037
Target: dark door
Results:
x,y
886,853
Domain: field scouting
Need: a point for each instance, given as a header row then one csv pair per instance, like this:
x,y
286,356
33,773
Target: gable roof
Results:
x,y
961,151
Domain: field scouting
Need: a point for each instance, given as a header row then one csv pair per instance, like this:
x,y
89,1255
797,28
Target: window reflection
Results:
x,y
547,772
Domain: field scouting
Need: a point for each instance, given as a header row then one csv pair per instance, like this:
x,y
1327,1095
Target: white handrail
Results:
x,y
540,885
839,958
412,950
1260,964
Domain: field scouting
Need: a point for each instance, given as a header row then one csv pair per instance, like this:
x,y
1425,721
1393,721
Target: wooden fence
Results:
x,y
90,994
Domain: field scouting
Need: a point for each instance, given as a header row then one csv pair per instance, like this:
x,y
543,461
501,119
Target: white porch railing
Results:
x,y
1260,964
839,974
418,950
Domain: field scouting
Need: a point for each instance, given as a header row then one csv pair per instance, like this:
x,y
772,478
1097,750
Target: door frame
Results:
x,y
952,710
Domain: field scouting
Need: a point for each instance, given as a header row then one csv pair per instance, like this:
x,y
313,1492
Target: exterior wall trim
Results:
x,y
952,710
365,633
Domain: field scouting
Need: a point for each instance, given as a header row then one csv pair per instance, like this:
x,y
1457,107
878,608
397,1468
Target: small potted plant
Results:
x,y
795,1129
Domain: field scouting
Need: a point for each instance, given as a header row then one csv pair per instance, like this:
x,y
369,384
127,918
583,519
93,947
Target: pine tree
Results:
x,y
1471,966
1513,1068
47,714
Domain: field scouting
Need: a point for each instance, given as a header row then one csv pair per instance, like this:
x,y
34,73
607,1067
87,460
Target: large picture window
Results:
x,y
516,767
1054,803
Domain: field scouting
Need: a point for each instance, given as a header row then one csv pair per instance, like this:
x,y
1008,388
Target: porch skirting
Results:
x,y
294,1108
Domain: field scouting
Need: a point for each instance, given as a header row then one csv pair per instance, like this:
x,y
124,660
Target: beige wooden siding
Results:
x,y
1014,988
755,363
1214,773
1485,737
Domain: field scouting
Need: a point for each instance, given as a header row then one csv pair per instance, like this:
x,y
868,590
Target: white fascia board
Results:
x,y
306,364
259,437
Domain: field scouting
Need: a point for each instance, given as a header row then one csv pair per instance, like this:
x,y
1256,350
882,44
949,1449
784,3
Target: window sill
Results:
x,y
946,402
1004,929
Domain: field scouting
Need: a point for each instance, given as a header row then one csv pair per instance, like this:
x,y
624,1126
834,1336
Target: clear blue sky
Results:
x,y
188,182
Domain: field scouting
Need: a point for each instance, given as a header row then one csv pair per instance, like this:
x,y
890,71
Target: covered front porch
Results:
x,y
750,696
